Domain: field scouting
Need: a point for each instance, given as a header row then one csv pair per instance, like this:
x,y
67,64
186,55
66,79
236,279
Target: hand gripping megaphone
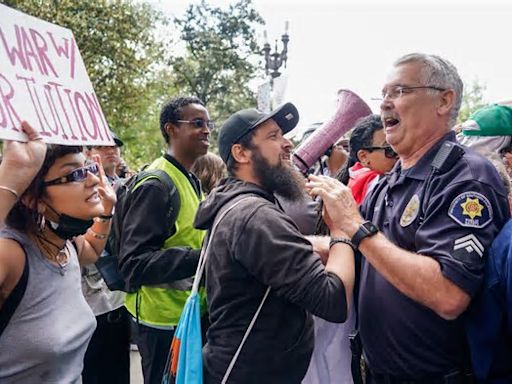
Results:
x,y
349,110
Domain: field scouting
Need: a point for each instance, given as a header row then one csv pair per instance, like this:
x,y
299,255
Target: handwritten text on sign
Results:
x,y
43,80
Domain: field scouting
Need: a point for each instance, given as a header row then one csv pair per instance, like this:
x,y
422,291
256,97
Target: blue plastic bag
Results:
x,y
185,361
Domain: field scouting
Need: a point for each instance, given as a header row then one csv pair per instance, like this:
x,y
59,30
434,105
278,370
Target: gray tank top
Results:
x,y
47,336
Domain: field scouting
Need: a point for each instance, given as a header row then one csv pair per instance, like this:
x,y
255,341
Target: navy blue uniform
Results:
x,y
453,218
490,315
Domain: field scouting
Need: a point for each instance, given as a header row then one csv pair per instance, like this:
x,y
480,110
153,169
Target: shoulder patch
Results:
x,y
468,249
411,211
471,209
470,243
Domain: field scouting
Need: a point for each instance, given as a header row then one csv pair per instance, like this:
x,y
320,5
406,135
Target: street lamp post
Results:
x,y
273,61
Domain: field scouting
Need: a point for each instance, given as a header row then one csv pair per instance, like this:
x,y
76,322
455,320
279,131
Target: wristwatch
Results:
x,y
366,229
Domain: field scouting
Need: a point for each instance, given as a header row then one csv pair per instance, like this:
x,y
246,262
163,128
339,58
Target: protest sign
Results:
x,y
43,80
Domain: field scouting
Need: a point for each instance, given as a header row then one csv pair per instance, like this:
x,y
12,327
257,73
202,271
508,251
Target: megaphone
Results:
x,y
349,110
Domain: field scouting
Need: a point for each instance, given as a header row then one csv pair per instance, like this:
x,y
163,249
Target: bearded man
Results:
x,y
256,246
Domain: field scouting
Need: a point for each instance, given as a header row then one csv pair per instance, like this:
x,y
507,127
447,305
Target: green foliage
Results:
x,y
117,42
126,50
220,56
472,100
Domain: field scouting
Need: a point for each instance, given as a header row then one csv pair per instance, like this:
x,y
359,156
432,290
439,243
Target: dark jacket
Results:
x,y
489,318
147,225
257,245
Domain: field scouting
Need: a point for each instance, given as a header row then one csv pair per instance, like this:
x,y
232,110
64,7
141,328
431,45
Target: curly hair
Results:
x,y
172,111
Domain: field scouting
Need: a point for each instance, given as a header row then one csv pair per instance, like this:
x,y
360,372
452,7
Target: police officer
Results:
x,y
424,230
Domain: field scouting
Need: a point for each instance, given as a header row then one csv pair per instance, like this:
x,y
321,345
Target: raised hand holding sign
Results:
x,y
43,80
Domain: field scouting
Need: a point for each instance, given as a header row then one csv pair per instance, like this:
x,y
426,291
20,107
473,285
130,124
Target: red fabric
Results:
x,y
360,179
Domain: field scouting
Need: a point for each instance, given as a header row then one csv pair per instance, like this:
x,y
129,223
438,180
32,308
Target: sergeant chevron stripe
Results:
x,y
469,243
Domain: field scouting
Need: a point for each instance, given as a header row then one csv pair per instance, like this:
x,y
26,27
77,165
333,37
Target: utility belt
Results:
x,y
363,374
455,377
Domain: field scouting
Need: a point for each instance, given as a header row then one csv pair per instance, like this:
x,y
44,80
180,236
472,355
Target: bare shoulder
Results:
x,y
11,252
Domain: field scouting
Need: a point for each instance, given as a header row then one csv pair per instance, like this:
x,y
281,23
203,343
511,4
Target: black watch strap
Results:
x,y
366,229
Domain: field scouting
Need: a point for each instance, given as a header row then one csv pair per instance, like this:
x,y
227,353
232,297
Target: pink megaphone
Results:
x,y
350,109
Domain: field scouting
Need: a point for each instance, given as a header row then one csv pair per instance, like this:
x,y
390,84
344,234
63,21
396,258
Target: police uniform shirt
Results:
x,y
453,219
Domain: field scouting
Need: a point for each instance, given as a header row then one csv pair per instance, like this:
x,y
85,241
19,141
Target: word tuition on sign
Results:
x,y
43,80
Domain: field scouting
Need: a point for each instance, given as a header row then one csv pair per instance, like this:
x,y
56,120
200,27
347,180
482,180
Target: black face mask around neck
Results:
x,y
69,227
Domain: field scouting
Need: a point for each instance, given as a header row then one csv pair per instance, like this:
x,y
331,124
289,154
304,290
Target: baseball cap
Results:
x,y
117,140
492,120
242,122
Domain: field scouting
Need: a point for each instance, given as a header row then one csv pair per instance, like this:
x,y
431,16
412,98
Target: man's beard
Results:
x,y
282,179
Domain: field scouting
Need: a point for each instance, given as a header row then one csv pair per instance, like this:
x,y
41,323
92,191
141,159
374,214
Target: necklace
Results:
x,y
61,257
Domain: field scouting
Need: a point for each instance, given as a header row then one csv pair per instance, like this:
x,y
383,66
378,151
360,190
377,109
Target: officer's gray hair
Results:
x,y
437,72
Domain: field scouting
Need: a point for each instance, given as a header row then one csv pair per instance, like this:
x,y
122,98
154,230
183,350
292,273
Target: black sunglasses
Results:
x,y
388,151
76,175
199,123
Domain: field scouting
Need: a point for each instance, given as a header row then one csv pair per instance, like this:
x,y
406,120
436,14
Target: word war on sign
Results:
x,y
43,80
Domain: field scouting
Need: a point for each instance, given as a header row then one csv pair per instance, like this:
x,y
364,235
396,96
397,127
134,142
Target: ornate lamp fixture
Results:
x,y
273,61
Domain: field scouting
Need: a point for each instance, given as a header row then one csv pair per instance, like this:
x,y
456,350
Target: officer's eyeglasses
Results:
x,y
388,151
397,91
76,175
199,123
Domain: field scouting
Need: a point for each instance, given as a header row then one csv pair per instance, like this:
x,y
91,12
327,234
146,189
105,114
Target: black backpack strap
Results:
x,y
14,298
165,179
446,157
108,264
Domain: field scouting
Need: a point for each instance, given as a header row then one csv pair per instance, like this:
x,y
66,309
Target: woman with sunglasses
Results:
x,y
369,158
60,222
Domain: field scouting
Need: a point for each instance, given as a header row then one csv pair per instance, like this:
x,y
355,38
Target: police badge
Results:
x,y
411,211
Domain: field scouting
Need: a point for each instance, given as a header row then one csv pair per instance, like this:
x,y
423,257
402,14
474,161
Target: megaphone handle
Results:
x,y
322,167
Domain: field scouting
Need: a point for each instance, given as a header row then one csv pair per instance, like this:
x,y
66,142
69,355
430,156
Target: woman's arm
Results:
x,y
19,166
91,244
12,262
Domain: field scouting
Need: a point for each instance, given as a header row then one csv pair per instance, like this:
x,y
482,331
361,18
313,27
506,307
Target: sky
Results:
x,y
352,44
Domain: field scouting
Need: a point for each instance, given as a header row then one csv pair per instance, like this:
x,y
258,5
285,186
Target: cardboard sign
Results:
x,y
43,80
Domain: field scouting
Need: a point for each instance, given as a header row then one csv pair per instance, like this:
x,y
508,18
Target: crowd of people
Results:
x,y
389,263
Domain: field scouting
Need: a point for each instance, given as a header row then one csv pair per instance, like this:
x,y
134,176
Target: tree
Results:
x,y
126,50
122,56
220,56
472,100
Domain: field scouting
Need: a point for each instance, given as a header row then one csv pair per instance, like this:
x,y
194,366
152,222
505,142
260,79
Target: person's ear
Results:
x,y
240,154
33,204
446,102
362,156
170,129
41,207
